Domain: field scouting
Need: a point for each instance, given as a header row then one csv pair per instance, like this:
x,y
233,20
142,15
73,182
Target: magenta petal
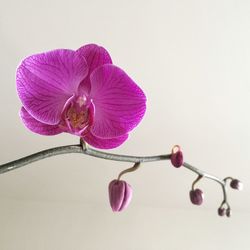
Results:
x,y
46,81
36,126
95,56
119,103
104,143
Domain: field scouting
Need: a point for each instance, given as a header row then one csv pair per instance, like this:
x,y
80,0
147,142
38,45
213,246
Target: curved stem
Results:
x,y
204,174
126,158
78,148
39,156
82,148
196,180
225,197
128,170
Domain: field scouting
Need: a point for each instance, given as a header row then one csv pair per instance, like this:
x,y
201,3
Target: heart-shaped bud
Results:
x,y
196,196
176,156
120,195
221,211
236,184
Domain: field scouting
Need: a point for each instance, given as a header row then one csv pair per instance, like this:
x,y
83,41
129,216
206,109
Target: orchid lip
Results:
x,y
77,115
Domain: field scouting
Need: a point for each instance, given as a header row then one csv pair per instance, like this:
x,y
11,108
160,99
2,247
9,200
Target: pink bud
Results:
x,y
196,196
176,156
229,212
221,211
120,195
236,184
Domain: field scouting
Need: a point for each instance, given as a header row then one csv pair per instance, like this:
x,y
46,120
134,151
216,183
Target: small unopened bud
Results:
x,y
177,157
221,211
120,195
196,196
236,184
228,212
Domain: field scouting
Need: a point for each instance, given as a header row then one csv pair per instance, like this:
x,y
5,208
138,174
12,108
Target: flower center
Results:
x,y
77,115
77,120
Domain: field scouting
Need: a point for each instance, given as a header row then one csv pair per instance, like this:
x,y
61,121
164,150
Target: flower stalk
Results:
x,y
128,170
83,148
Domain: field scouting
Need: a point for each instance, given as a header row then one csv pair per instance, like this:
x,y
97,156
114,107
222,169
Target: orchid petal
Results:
x,y
119,103
36,126
102,143
46,81
95,56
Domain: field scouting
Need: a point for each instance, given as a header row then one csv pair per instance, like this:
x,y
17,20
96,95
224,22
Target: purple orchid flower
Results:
x,y
79,92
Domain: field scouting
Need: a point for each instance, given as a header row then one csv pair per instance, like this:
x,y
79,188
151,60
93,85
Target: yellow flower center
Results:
x,y
77,119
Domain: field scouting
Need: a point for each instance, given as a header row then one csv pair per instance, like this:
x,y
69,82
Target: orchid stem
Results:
x,y
128,170
196,181
82,148
78,148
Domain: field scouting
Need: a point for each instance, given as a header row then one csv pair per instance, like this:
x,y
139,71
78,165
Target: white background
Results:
x,y
192,59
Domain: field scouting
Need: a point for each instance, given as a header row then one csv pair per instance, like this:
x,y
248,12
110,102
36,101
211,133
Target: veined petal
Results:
x,y
119,103
36,126
95,56
104,143
46,81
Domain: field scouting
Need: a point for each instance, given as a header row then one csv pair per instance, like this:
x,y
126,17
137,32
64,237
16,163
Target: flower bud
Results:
x,y
228,212
221,211
176,157
196,196
120,195
236,184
